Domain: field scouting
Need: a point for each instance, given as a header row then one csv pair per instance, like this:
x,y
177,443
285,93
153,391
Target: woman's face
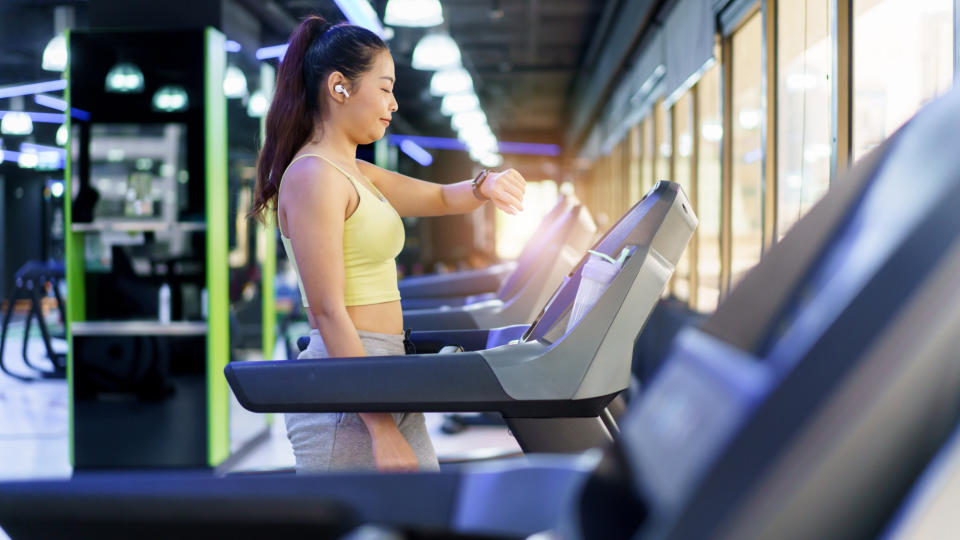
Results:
x,y
371,103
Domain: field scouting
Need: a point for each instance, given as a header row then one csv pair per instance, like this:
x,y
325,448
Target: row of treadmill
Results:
x,y
820,400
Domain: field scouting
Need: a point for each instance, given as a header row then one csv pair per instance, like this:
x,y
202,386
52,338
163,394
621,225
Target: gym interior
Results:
x,y
726,310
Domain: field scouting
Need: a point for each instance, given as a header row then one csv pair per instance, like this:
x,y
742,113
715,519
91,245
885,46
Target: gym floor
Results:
x,y
34,427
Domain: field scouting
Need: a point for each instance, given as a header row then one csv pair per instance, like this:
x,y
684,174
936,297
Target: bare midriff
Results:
x,y
383,318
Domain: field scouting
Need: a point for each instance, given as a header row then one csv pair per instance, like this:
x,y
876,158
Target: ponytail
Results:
x,y
316,49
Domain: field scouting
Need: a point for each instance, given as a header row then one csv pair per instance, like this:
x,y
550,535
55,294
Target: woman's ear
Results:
x,y
337,87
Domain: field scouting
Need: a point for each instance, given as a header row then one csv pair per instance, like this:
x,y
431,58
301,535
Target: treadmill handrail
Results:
x,y
460,382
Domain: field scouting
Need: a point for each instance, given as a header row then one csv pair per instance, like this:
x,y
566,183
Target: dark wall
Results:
x,y
23,225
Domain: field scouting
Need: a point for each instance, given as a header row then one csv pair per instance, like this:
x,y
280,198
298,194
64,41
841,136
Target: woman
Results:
x,y
339,220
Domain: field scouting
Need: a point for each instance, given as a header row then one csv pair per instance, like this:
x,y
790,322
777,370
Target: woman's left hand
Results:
x,y
505,189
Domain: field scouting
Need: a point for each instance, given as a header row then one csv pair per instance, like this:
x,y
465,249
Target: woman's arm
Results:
x,y
412,197
315,203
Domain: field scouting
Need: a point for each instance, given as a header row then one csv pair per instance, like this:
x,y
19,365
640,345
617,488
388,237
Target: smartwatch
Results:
x,y
481,176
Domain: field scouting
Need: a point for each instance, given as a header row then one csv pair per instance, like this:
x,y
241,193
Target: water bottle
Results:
x,y
598,272
163,301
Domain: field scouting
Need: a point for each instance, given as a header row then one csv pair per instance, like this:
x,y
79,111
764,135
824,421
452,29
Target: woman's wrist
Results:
x,y
477,185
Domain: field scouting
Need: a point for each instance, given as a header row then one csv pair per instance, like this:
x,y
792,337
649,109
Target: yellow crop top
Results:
x,y
372,238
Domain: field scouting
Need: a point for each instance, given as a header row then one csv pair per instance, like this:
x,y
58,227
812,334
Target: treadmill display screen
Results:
x,y
554,316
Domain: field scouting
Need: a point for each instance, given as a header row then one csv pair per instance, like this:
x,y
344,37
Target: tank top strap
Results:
x,y
360,188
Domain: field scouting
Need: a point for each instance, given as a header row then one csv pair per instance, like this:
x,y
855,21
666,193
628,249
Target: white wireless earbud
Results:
x,y
341,89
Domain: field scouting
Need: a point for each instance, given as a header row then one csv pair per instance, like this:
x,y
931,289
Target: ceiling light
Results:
x,y
712,131
60,105
273,51
124,78
436,52
491,160
467,119
361,13
48,161
750,118
232,46
56,189
416,152
455,103
32,88
41,117
55,54
16,123
258,105
484,142
62,135
234,82
450,81
28,158
414,13
170,98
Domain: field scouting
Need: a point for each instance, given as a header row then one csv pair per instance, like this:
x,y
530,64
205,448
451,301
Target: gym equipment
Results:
x,y
464,287
31,281
805,407
519,299
551,386
809,403
929,510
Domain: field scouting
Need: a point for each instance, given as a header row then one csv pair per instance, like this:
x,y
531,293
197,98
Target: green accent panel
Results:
x,y
268,239
215,179
267,245
76,293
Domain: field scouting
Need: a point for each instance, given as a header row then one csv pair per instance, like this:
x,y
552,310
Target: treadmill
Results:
x,y
551,386
805,407
520,297
930,509
465,286
810,402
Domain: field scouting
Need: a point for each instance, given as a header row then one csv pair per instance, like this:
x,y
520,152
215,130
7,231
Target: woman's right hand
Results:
x,y
391,451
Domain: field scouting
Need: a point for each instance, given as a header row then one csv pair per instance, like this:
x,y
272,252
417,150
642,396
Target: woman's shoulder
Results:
x,y
308,174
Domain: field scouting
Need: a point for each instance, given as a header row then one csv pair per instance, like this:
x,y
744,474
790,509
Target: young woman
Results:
x,y
339,220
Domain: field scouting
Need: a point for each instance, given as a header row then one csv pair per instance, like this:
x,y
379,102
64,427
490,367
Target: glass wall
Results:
x,y
707,205
747,145
662,160
648,129
901,52
804,98
902,59
682,174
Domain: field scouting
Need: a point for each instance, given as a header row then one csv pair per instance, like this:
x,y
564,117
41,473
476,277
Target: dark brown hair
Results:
x,y
315,50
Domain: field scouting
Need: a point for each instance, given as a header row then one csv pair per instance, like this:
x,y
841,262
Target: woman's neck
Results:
x,y
334,144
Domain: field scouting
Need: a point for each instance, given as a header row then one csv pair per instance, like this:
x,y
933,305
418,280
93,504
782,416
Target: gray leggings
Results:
x,y
340,441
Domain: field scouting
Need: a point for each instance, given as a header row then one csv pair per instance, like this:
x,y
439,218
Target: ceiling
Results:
x,y
523,54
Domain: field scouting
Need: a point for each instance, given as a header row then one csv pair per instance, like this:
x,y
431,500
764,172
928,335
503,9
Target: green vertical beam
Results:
x,y
267,242
76,294
268,264
215,181
267,245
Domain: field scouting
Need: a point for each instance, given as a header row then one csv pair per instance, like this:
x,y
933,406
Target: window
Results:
x,y
512,232
635,165
662,160
804,98
649,151
902,58
682,174
747,148
707,205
